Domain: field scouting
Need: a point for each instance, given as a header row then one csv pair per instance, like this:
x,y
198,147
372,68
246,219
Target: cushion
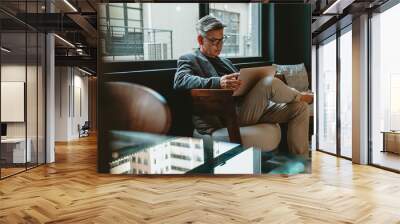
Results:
x,y
295,75
264,136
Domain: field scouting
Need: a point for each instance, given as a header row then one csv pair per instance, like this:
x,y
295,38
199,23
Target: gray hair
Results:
x,y
208,23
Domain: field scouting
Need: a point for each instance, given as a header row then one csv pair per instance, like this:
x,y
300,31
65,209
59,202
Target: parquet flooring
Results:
x,y
70,191
10,171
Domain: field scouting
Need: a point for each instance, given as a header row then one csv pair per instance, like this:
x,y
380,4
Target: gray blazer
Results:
x,y
194,71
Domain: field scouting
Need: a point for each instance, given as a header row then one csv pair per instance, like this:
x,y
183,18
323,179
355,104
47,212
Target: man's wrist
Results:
x,y
216,82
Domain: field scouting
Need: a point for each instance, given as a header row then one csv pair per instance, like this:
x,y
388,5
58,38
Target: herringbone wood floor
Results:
x,y
70,191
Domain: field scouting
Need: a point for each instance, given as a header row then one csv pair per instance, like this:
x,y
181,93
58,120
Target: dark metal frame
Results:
x,y
370,152
336,38
317,101
27,27
338,98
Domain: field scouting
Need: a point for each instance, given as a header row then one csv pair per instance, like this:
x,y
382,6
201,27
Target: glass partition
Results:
x,y
327,96
22,88
13,105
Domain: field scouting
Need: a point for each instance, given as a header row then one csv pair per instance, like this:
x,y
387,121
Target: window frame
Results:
x,y
204,9
42,38
380,9
336,36
333,37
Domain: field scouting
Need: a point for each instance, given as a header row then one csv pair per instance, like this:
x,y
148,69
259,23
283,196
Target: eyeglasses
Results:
x,y
216,41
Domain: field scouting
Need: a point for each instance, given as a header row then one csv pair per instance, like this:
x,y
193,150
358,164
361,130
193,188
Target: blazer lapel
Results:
x,y
230,66
205,65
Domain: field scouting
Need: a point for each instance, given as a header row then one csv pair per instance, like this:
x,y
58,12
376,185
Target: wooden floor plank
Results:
x,y
71,191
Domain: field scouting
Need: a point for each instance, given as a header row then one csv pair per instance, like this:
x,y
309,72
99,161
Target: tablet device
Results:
x,y
250,76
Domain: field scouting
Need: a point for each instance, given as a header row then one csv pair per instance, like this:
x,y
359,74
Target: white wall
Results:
x,y
33,126
12,73
16,73
71,102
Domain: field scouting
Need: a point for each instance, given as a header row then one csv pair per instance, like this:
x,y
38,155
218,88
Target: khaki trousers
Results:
x,y
272,101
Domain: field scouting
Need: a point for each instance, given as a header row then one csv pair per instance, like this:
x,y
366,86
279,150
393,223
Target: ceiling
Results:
x,y
72,20
330,15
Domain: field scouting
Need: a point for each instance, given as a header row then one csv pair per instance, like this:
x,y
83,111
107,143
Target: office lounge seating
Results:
x,y
182,105
300,80
220,103
136,108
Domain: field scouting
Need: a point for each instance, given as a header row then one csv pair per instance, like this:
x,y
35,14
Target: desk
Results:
x,y
13,150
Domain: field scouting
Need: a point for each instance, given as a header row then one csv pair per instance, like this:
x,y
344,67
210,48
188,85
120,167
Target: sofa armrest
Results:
x,y
218,102
210,101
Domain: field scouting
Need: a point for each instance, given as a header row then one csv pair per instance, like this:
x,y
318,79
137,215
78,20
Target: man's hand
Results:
x,y
230,81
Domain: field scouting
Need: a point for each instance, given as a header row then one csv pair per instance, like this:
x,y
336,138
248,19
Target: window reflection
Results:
x,y
176,156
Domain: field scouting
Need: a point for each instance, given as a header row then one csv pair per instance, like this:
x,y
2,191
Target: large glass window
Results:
x,y
327,96
346,94
148,31
329,111
242,28
165,31
385,88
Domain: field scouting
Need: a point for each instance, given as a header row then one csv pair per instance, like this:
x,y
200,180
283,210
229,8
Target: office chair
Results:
x,y
84,129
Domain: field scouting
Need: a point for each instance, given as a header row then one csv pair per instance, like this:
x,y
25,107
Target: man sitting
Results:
x,y
269,101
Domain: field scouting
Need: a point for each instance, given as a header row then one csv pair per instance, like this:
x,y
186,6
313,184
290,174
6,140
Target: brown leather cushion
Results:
x,y
136,108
